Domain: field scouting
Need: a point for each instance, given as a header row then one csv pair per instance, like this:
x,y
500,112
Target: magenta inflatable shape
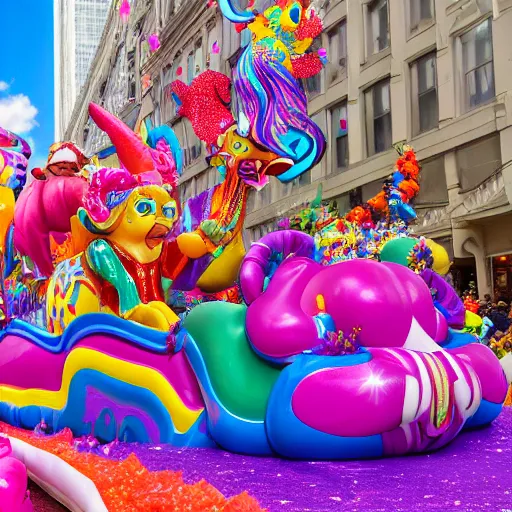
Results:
x,y
353,401
25,365
381,298
279,328
488,369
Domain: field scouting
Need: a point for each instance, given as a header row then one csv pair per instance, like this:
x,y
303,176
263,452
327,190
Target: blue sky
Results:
x,y
26,73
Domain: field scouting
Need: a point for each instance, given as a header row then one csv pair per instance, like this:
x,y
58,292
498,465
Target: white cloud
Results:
x,y
17,114
4,86
31,143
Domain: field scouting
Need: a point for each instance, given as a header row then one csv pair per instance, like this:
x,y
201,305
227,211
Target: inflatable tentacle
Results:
x,y
233,12
450,304
271,249
279,332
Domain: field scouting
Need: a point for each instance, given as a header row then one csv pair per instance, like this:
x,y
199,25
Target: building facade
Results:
x,y
434,73
78,25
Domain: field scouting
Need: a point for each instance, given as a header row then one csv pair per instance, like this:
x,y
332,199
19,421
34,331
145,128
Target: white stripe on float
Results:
x,y
62,481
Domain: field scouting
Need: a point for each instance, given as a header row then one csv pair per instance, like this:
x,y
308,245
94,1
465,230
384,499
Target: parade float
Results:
x,y
345,345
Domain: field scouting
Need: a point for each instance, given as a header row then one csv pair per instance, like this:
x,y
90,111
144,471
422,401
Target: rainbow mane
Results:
x,y
275,101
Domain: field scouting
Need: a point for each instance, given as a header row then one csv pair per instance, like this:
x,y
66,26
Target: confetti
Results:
x,y
124,11
154,42
128,485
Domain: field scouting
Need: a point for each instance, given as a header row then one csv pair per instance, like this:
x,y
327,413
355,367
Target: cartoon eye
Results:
x,y
145,207
169,210
237,145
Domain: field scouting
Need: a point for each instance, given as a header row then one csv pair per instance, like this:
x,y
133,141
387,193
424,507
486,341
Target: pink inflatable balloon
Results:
x,y
13,481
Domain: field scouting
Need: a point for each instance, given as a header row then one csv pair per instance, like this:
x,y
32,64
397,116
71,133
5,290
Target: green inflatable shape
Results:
x,y
241,380
397,250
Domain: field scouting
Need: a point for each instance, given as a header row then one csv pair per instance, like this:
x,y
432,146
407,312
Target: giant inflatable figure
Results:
x,y
270,135
333,354
343,326
127,214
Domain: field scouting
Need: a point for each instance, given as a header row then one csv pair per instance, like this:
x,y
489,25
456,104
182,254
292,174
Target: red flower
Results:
x,y
307,65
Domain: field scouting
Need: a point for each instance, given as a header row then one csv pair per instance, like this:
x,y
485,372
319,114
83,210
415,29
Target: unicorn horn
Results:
x,y
132,152
233,12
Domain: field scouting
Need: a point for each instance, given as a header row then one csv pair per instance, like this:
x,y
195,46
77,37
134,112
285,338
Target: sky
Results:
x,y
26,74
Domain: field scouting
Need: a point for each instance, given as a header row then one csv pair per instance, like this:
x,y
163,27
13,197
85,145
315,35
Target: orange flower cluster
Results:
x,y
128,485
407,165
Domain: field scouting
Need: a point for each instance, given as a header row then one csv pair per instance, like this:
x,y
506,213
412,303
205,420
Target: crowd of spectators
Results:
x,y
500,314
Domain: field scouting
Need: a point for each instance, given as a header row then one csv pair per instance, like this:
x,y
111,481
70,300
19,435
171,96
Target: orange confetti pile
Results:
x,y
128,485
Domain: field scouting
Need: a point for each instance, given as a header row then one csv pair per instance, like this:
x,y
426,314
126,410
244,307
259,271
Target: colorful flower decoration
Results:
x,y
364,231
337,344
420,257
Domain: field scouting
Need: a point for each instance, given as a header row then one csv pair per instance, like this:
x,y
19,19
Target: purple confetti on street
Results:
x,y
473,473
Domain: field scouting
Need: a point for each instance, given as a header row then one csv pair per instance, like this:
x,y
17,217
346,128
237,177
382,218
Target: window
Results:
x,y
192,144
421,10
477,62
202,182
433,190
186,191
338,52
168,105
190,67
231,39
251,200
378,26
256,233
369,190
378,118
265,195
343,204
213,177
157,115
313,85
339,134
213,58
478,161
198,58
263,5
304,178
424,84
144,52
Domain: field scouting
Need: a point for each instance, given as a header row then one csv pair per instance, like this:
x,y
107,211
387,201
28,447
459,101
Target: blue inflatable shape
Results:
x,y
291,438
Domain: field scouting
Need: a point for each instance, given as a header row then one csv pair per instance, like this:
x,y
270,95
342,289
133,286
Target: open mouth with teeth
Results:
x,y
157,235
255,173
